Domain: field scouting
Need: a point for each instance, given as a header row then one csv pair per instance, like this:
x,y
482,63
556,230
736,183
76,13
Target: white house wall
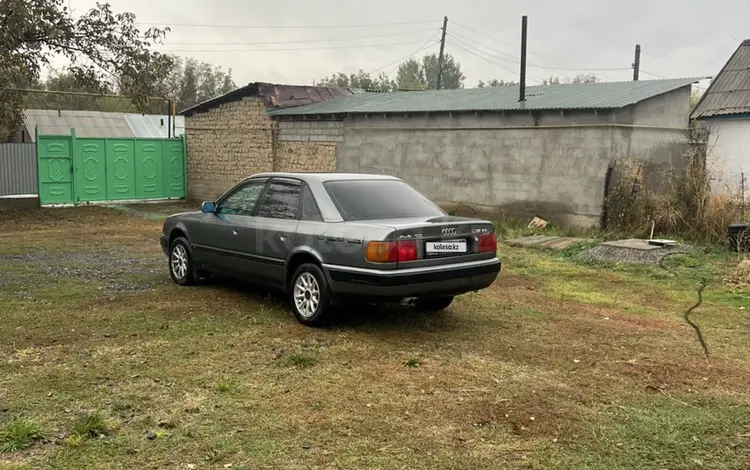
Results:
x,y
730,149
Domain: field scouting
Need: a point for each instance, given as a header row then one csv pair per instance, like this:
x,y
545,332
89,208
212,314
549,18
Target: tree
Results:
x,y
495,83
66,81
695,97
415,75
361,79
580,78
190,82
104,51
412,74
451,78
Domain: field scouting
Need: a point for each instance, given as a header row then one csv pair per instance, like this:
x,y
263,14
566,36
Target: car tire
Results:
x,y
310,295
180,263
434,305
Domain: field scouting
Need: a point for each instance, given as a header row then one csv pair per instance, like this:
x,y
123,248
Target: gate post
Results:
x,y
73,166
184,164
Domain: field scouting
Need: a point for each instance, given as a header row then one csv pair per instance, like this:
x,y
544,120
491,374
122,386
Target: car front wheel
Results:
x,y
181,263
309,295
434,305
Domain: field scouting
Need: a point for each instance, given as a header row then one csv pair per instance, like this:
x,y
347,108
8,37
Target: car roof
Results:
x,y
323,177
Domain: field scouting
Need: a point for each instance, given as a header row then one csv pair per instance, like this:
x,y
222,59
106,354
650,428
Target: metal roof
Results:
x,y
86,123
154,125
97,123
275,95
729,92
572,96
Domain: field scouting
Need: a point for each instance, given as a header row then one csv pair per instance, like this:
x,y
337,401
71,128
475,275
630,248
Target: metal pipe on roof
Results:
x,y
522,84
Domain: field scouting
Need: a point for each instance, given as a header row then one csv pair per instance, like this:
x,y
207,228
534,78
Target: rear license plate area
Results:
x,y
446,247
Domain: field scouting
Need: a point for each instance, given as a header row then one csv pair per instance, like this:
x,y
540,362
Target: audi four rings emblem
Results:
x,y
449,231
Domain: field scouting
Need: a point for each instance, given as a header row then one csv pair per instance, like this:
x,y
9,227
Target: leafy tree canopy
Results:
x,y
105,51
412,74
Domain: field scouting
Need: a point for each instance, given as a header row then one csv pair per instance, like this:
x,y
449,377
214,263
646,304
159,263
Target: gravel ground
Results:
x,y
627,255
116,270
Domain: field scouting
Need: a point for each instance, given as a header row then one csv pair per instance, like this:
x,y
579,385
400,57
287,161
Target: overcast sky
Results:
x,y
679,38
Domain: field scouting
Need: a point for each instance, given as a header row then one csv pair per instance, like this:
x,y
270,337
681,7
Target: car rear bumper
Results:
x,y
439,281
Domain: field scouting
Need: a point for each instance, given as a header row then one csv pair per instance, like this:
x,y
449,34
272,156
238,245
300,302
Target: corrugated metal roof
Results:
x,y
154,125
86,123
729,92
97,123
573,96
276,96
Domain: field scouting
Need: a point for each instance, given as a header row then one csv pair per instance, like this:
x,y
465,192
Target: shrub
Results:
x,y
684,205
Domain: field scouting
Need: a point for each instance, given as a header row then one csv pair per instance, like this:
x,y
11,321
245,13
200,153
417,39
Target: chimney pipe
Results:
x,y
522,87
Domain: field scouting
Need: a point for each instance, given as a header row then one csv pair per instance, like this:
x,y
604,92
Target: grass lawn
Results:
x,y
563,363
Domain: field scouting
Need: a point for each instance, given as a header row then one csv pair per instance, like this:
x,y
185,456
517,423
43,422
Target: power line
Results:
x,y
513,60
485,34
426,45
296,42
546,67
550,68
654,75
329,26
353,46
465,49
479,44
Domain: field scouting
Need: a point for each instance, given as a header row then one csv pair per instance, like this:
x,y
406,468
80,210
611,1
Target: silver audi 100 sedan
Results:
x,y
326,237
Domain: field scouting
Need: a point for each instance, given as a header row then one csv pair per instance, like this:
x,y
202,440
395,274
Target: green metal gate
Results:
x,y
82,169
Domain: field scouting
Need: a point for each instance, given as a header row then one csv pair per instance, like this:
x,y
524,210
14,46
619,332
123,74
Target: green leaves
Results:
x,y
104,50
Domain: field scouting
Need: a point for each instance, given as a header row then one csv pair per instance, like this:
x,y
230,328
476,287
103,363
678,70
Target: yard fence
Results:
x,y
18,172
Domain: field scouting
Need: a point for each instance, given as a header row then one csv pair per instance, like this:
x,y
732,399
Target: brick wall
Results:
x,y
308,146
238,139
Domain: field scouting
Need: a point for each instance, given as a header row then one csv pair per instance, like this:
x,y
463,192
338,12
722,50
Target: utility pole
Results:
x,y
440,57
522,84
637,63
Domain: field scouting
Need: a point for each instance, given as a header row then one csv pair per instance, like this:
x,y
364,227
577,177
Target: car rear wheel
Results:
x,y
181,263
434,305
310,295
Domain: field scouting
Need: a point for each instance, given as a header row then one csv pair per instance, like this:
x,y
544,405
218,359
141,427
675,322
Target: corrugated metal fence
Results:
x,y
18,174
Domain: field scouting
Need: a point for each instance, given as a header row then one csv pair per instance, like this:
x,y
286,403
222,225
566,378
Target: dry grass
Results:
x,y
558,365
685,205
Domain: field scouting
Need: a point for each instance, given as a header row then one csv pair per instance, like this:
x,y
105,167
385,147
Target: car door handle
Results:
x,y
282,238
235,232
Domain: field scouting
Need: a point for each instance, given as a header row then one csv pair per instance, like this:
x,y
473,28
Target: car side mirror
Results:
x,y
208,207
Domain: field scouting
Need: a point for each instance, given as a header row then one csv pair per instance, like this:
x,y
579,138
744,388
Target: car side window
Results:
x,y
310,210
242,201
281,201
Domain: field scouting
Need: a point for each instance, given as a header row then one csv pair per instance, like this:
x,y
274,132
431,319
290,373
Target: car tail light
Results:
x,y
487,242
391,252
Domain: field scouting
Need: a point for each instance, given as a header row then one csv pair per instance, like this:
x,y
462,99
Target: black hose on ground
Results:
x,y
687,313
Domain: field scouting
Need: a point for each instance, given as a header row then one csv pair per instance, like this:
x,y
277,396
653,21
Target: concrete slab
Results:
x,y
546,241
633,244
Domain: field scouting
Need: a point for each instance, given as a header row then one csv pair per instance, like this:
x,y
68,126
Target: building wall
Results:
x,y
729,142
550,164
226,144
469,162
308,146
238,139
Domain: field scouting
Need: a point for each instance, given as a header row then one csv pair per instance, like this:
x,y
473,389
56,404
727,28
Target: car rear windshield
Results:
x,y
379,199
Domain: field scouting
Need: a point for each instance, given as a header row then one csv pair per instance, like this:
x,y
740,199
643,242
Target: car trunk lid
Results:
x,y
440,240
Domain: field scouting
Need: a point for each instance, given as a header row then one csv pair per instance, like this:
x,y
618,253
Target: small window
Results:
x,y
310,210
242,200
281,201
